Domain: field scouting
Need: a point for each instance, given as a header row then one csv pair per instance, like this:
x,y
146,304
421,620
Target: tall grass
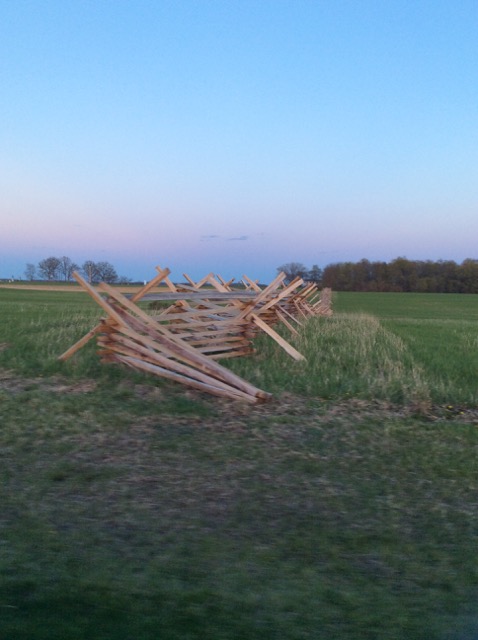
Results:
x,y
353,355
439,333
414,363
37,326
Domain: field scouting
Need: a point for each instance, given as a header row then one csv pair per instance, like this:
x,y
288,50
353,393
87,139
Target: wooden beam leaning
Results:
x,y
81,342
162,275
226,283
179,348
171,286
166,366
93,332
266,308
251,284
200,386
281,316
279,339
89,289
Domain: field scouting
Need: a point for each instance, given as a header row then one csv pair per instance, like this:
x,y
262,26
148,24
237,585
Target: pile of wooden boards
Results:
x,y
191,325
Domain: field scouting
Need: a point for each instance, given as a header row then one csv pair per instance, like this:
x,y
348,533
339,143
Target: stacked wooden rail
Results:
x,y
198,323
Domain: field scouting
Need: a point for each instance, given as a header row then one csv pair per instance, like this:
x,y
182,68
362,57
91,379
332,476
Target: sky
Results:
x,y
234,136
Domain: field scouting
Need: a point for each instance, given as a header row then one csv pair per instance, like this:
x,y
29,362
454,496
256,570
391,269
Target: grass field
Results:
x,y
345,509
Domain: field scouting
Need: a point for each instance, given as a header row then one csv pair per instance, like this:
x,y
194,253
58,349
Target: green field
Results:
x,y
345,509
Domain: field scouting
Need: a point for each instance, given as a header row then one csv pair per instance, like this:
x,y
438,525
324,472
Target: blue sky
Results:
x,y
234,136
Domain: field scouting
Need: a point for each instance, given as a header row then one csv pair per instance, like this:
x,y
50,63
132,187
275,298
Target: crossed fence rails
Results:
x,y
198,323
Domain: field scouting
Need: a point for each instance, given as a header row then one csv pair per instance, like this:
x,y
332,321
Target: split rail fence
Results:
x,y
190,326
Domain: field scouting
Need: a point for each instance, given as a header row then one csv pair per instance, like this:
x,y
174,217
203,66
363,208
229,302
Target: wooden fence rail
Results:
x,y
202,322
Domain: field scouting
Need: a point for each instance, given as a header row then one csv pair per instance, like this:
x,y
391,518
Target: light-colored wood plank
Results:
x,y
233,394
181,349
284,321
133,348
151,284
81,342
97,298
288,348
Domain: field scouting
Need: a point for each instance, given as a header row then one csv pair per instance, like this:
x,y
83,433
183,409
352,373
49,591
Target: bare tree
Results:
x,y
99,272
90,271
315,274
66,268
292,270
48,268
30,271
106,272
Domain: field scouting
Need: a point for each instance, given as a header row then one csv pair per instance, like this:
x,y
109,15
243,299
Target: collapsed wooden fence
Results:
x,y
190,326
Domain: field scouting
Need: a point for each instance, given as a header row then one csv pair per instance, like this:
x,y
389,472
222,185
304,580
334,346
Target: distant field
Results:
x,y
67,287
418,306
345,509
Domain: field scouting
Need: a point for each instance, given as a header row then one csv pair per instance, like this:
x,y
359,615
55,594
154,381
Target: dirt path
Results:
x,y
59,287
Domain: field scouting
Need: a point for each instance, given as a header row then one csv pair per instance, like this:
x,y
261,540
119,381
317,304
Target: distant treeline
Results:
x,y
401,274
53,269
